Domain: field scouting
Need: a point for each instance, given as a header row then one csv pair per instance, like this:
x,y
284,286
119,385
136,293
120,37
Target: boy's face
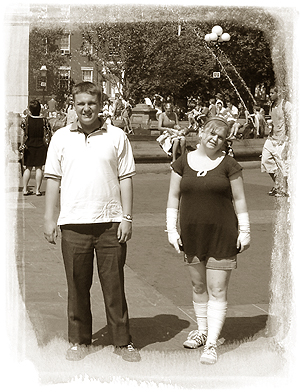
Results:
x,y
87,108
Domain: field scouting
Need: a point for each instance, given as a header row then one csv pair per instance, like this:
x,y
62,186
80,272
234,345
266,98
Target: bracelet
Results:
x,y
127,218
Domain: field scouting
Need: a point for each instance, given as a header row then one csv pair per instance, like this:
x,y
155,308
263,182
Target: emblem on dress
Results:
x,y
201,173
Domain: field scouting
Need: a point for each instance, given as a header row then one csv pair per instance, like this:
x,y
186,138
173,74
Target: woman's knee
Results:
x,y
218,293
199,287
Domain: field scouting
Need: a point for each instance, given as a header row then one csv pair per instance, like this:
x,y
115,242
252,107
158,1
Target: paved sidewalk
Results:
x,y
156,323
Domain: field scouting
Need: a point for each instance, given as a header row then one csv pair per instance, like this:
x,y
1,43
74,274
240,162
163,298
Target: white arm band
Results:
x,y
172,214
244,222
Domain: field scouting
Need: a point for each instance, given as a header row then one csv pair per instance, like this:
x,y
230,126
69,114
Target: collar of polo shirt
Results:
x,y
76,126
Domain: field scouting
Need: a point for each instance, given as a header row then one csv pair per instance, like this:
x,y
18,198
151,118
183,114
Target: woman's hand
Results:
x,y
175,240
243,241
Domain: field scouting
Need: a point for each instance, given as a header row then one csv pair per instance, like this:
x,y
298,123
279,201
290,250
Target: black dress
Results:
x,y
208,222
36,151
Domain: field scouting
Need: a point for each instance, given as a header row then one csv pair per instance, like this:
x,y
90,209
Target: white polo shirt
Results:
x,y
90,168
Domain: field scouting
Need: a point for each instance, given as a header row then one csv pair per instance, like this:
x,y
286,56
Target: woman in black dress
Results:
x,y
35,129
207,184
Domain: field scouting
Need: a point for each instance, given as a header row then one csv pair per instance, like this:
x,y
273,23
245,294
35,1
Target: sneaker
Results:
x,y
77,352
209,355
273,191
128,353
280,193
195,339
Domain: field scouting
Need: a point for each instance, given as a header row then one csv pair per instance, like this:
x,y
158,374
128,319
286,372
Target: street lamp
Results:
x,y
43,72
216,37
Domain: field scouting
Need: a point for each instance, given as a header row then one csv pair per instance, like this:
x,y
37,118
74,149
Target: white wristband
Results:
x,y
244,222
171,215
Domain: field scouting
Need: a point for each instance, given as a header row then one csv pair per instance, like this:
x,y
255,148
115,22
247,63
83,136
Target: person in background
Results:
x,y
260,122
52,106
118,106
242,124
71,113
107,111
126,116
93,163
192,114
148,101
59,121
275,150
206,189
157,104
37,133
220,110
172,138
231,113
212,110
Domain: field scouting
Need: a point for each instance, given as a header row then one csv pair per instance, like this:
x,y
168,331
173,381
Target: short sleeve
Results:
x,y
126,164
53,161
232,166
178,165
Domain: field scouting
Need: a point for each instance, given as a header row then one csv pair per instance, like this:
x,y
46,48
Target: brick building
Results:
x,y
76,64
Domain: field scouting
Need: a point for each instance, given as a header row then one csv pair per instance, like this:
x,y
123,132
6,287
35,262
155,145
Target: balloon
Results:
x,y
207,38
217,29
213,36
225,37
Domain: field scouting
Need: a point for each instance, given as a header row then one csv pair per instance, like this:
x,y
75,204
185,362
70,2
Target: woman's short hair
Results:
x,y
89,88
35,107
214,122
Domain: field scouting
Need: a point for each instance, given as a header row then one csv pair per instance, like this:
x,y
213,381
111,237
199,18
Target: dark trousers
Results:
x,y
79,242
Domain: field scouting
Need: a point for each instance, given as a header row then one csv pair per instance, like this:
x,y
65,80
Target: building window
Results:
x,y
87,74
65,44
64,79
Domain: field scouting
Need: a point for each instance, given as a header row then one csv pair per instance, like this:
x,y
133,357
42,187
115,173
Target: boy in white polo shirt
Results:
x,y
92,162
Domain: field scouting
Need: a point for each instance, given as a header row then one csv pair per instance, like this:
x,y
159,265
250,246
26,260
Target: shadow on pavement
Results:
x,y
148,330
243,328
239,330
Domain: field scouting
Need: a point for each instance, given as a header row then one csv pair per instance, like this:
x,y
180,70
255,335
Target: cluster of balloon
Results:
x,y
217,35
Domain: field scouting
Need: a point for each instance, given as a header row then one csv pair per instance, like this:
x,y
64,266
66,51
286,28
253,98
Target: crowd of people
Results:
x,y
243,124
206,211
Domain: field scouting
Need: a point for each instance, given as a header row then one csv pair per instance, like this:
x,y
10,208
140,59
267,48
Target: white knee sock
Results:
x,y
201,316
216,314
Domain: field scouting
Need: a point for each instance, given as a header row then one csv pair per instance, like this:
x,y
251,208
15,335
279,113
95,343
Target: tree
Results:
x,y
44,50
149,57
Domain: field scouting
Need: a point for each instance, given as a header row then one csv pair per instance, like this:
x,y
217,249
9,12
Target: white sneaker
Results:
x,y
195,339
209,355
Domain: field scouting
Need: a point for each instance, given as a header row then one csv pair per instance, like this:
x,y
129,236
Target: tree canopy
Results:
x,y
154,58
139,45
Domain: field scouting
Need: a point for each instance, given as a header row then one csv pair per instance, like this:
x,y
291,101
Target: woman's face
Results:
x,y
214,135
169,108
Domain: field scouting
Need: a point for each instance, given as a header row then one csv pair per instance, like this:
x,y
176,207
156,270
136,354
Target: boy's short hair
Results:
x,y
89,88
35,107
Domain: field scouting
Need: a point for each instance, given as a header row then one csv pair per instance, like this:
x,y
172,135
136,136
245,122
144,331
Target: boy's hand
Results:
x,y
124,231
50,231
